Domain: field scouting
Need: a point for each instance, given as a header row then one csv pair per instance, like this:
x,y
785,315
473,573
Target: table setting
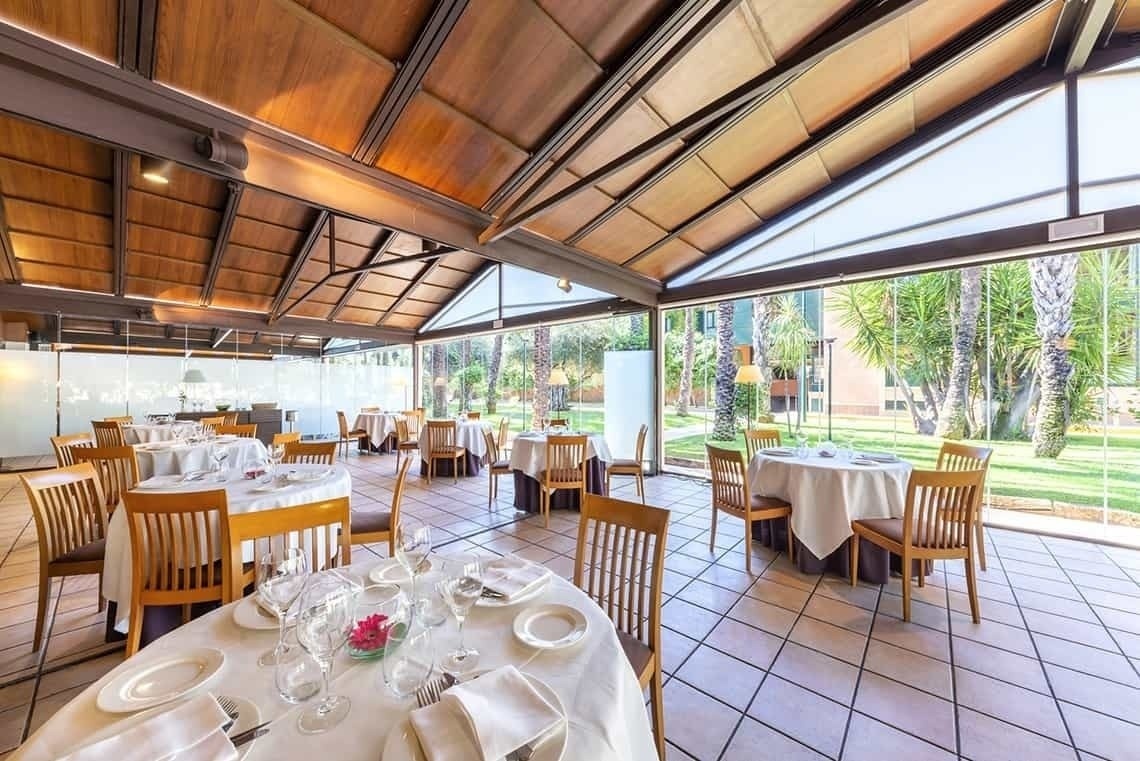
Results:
x,y
528,459
155,431
469,435
194,451
381,427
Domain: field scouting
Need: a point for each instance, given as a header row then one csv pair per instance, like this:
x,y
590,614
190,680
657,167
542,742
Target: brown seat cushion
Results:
x,y
501,465
625,464
891,528
636,652
84,554
767,503
371,522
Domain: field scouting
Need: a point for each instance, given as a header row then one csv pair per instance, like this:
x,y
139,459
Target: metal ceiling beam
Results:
x,y
221,240
421,276
386,239
549,317
9,265
1094,18
408,78
219,336
706,124
137,27
55,85
300,259
136,343
652,42
119,186
961,47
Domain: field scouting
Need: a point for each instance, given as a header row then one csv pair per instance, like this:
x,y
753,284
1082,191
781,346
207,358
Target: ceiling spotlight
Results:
x,y
222,149
564,284
156,170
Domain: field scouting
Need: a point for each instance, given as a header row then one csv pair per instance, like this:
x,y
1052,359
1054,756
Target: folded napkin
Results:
x,y
512,576
191,731
486,718
880,456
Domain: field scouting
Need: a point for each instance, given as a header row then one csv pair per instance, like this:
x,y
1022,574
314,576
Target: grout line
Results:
x,y
953,668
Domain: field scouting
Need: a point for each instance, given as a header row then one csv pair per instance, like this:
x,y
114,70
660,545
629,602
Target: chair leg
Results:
x,y
41,607
854,553
431,466
791,543
712,531
657,708
980,541
747,547
544,506
972,589
921,574
490,489
134,633
455,471
906,561
641,487
608,489
102,600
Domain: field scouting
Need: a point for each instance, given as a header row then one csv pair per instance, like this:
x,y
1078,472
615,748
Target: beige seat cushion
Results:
x,y
625,464
84,554
371,522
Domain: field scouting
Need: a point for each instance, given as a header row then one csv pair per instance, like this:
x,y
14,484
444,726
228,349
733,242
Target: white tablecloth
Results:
x,y
241,499
529,451
827,493
145,433
606,711
380,425
468,434
169,458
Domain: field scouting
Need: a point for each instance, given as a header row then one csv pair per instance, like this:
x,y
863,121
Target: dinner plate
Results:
x,y
550,627
391,572
863,461
885,457
248,615
403,745
778,452
499,602
160,680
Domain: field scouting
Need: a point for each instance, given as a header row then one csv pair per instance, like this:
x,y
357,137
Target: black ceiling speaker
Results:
x,y
223,150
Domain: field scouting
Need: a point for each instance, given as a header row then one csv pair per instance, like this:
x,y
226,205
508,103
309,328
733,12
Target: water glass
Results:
x,y
299,678
281,577
410,664
461,587
276,455
219,454
801,443
431,610
324,622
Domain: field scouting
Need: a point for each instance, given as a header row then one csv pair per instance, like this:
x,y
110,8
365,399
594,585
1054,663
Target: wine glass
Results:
x,y
413,543
219,454
276,455
281,577
460,588
324,622
410,666
801,443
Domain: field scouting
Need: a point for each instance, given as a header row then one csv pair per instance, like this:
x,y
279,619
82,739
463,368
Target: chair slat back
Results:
x,y
940,508
441,435
211,423
177,541
639,453
310,453
412,419
108,433
245,431
504,431
62,446
286,438
321,529
492,447
121,419
117,468
68,506
474,415
369,409
342,421
566,461
729,479
765,437
230,418
403,434
955,456
624,567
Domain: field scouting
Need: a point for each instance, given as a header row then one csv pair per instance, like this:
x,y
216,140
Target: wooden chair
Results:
x,y
498,467
372,527
321,528
504,436
404,441
732,495
474,415
210,424
414,419
565,469
937,524
62,446
441,446
559,421
286,438
953,456
246,431
631,467
346,435
179,552
108,433
756,439
310,453
121,419
117,468
623,575
230,418
71,522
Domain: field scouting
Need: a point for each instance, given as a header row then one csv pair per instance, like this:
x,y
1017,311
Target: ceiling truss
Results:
x,y
221,240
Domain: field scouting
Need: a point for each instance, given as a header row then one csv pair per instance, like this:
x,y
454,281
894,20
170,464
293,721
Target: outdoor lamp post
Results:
x,y
557,379
750,375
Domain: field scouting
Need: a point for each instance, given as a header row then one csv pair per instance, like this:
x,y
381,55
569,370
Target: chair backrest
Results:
x,y
765,437
729,479
68,506
369,409
107,433
642,432
286,438
561,421
62,446
566,460
230,418
211,423
246,431
504,431
492,447
625,567
117,468
342,421
322,529
413,419
955,456
123,419
474,415
310,453
176,541
940,507
403,435
441,435
397,500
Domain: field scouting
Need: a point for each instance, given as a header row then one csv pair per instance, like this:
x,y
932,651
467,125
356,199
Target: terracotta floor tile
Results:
x,y
863,595
754,740
871,740
770,618
992,633
833,640
703,739
1093,635
792,598
840,614
928,674
708,596
1100,734
1015,705
1090,660
816,671
1098,694
929,642
721,676
1001,664
688,619
745,642
985,738
908,709
812,719
675,648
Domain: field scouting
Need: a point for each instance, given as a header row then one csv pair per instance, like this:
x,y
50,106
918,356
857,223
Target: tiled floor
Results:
x,y
779,665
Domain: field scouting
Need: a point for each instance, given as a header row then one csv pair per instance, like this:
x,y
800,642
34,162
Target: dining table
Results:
x,y
469,435
604,708
827,493
146,433
243,495
381,427
528,460
164,458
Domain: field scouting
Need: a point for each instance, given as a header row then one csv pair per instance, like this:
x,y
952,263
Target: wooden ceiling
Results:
x,y
486,104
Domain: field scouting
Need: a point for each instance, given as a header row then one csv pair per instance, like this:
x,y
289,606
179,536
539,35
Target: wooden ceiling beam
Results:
x,y
1093,20
955,51
409,78
651,44
706,124
9,265
421,276
300,259
221,240
120,183
137,28
383,243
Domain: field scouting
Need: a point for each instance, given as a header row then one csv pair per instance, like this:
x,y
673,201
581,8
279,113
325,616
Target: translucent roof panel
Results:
x,y
1004,167
1107,134
524,292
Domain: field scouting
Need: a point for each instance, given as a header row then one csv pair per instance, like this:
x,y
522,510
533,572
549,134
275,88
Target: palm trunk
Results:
x,y
952,418
724,427
541,406
464,363
493,375
439,373
1054,281
685,393
761,338
922,424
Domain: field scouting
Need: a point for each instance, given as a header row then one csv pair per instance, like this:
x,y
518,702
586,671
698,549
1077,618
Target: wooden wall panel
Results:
x,y
633,127
90,25
562,220
446,277
165,213
253,233
359,316
37,249
410,322
168,243
936,22
66,276
255,260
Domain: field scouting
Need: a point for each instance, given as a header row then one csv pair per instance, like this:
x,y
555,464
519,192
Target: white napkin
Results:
x,y
512,576
486,718
191,731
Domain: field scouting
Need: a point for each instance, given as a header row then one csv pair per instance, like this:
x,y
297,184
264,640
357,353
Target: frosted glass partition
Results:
x,y
27,402
91,387
299,388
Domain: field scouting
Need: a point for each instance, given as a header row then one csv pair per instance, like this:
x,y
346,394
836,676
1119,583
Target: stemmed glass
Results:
x,y
276,454
461,587
413,543
281,577
801,443
219,453
326,618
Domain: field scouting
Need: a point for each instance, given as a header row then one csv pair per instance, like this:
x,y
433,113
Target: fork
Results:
x,y
522,754
430,693
231,708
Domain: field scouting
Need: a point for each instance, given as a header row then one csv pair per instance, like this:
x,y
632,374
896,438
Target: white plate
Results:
x,y
271,487
883,457
530,594
778,452
403,745
550,627
248,615
389,572
160,680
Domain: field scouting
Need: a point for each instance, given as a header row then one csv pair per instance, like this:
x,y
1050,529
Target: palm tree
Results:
x,y
791,338
493,375
761,338
438,374
1053,284
952,419
724,427
685,393
541,409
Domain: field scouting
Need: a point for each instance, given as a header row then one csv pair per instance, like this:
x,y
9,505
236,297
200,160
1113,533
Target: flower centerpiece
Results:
x,y
381,624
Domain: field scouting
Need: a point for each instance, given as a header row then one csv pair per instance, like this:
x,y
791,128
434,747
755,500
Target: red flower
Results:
x,y
370,633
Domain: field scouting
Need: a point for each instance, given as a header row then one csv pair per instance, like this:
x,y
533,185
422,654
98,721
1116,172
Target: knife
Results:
x,y
249,735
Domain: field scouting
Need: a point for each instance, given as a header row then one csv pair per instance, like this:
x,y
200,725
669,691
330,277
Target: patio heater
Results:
x,y
750,375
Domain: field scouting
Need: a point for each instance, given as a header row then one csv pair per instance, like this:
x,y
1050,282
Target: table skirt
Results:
x,y
443,468
385,447
528,495
875,563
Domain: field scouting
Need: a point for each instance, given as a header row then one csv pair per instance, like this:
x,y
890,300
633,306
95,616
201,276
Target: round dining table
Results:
x,y
469,435
381,427
164,458
528,459
827,494
146,433
606,719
